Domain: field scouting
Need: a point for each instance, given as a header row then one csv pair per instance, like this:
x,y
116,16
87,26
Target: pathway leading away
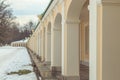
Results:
x,y
15,64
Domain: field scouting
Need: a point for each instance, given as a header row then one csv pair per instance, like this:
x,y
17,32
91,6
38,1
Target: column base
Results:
x,y
56,71
86,63
42,59
71,78
47,62
55,68
38,57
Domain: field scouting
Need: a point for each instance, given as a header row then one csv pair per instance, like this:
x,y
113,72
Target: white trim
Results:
x,y
72,21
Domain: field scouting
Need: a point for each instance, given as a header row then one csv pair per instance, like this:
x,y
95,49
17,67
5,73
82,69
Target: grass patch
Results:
x,y
20,72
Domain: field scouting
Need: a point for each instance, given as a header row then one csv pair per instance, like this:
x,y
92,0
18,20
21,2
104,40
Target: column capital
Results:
x,y
72,21
111,2
56,29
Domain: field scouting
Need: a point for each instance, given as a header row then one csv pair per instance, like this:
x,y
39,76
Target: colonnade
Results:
x,y
74,32
18,44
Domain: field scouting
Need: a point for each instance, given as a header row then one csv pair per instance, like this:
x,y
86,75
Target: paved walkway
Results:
x,y
84,72
45,73
42,69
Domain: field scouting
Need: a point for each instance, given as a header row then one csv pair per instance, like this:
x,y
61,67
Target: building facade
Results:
x,y
74,32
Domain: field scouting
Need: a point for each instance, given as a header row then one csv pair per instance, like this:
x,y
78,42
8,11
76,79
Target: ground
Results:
x,y
15,64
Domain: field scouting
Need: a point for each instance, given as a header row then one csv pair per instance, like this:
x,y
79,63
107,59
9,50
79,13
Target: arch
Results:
x,y
84,15
56,43
49,27
58,20
74,9
77,24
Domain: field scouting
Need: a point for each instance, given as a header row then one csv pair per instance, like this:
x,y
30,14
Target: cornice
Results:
x,y
111,3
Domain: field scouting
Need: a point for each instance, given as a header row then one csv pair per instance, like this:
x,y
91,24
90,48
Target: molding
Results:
x,y
72,21
56,29
111,3
70,77
55,68
47,62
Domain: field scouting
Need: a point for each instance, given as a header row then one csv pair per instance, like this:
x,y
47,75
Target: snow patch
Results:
x,y
15,59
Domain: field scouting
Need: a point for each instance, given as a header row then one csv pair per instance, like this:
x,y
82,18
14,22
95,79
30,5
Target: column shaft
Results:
x,y
56,49
71,51
48,47
43,46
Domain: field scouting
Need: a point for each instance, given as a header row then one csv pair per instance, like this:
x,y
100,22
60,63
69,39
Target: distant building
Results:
x,y
21,43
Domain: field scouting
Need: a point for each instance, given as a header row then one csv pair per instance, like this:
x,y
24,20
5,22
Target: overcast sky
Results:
x,y
27,10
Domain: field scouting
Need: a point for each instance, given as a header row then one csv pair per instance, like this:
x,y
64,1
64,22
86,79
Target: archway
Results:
x,y
77,41
56,42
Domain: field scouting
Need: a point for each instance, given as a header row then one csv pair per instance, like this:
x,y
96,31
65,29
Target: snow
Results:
x,y
13,59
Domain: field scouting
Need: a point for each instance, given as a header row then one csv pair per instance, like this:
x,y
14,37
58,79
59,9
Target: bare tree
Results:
x,y
6,19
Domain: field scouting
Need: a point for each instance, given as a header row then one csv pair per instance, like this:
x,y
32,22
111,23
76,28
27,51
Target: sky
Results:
x,y
27,10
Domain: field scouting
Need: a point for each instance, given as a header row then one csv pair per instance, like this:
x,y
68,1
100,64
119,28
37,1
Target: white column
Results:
x,y
35,41
48,47
56,48
43,46
39,44
34,44
70,68
93,40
